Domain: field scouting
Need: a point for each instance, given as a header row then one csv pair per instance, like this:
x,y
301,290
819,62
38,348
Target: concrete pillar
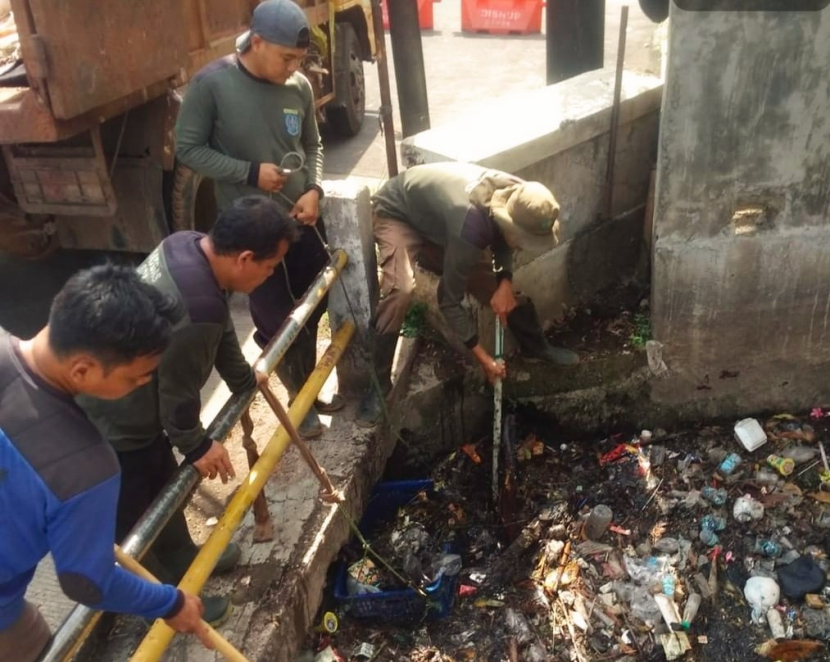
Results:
x,y
349,226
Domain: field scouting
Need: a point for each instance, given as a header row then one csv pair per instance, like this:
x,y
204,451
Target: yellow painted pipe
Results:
x,y
160,635
225,647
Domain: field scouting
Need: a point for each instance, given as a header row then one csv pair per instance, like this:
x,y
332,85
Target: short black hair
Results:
x,y
110,313
253,223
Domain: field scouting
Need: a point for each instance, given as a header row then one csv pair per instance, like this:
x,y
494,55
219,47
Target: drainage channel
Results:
x,y
612,539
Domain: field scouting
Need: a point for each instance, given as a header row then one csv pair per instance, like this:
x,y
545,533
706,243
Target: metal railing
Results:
x,y
81,621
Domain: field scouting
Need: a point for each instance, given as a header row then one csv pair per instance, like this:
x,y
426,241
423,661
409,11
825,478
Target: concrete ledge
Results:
x,y
516,132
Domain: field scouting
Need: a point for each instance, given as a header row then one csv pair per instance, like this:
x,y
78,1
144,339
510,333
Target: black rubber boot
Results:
x,y
523,322
370,411
293,370
217,609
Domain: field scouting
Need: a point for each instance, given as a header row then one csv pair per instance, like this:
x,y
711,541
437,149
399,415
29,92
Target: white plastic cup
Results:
x,y
750,434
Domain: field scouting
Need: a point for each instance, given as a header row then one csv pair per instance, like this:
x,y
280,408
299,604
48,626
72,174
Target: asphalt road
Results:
x,y
463,70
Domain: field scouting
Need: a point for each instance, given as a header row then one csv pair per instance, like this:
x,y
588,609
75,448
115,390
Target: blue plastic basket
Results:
x,y
403,605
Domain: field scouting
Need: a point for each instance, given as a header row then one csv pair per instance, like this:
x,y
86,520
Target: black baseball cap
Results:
x,y
280,22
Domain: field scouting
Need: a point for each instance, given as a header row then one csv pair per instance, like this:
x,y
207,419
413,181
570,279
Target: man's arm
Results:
x,y
81,532
231,363
502,258
179,388
459,260
312,143
194,128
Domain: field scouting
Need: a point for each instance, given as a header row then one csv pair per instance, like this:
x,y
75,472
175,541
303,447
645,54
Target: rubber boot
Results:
x,y
523,322
372,405
217,609
175,550
293,370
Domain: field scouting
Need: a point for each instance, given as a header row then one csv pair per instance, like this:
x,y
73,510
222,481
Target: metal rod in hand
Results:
x,y
263,526
222,645
615,118
321,474
497,412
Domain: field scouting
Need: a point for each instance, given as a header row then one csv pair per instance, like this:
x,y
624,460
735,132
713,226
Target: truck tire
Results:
x,y
346,112
656,10
193,201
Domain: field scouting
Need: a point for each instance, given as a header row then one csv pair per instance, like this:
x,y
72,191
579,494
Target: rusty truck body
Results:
x,y
87,111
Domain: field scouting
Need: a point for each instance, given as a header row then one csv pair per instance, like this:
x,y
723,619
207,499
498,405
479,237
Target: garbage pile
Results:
x,y
707,544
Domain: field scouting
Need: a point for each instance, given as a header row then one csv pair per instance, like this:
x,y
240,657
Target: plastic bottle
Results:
x,y
668,585
690,611
517,626
598,522
766,477
776,624
708,537
713,523
800,454
783,465
729,464
713,495
448,565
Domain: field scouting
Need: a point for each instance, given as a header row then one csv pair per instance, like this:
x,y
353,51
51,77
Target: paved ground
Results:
x,y
462,71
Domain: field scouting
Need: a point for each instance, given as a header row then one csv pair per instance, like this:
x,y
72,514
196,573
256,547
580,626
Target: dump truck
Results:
x,y
89,95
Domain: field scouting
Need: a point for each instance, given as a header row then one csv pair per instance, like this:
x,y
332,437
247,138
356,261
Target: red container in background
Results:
x,y
425,18
502,16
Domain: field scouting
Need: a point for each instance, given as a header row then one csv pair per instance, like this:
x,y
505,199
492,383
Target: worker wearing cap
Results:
x,y
463,222
248,122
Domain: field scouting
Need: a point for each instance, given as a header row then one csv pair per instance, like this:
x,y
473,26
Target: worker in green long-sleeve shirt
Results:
x,y
248,122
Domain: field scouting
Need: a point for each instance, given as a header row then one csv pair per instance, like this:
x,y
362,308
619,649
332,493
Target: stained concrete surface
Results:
x,y
743,306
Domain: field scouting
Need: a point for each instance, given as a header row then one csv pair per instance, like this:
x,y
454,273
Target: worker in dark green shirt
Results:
x,y
463,222
248,122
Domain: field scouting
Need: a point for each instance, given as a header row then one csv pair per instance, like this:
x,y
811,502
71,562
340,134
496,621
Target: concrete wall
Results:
x,y
559,135
741,269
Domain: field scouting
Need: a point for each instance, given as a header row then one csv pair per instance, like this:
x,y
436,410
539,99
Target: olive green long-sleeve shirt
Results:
x,y
203,337
434,199
231,121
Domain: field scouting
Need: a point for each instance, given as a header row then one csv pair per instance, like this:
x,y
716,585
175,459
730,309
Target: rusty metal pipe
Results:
x,y
331,493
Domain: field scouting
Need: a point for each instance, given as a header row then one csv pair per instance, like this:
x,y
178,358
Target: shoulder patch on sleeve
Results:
x,y
80,588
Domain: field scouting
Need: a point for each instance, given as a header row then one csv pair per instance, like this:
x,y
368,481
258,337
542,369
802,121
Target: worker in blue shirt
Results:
x,y
59,479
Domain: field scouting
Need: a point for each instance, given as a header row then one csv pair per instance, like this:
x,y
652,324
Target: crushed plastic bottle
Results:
x,y
708,537
713,523
729,464
448,565
747,509
716,496
690,611
800,454
669,585
767,547
516,625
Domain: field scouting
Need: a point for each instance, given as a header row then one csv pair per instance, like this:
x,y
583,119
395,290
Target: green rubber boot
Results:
x,y
372,405
523,322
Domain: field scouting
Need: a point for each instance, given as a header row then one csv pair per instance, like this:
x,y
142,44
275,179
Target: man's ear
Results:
x,y
83,368
245,257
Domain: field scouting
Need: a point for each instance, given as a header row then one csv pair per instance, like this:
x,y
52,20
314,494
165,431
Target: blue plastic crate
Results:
x,y
401,605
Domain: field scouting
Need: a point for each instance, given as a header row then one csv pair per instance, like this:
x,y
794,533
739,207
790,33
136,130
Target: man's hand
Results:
x,y
189,620
215,462
271,177
493,369
503,302
307,208
261,378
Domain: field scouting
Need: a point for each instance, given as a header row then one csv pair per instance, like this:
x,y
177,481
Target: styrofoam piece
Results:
x,y
750,434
